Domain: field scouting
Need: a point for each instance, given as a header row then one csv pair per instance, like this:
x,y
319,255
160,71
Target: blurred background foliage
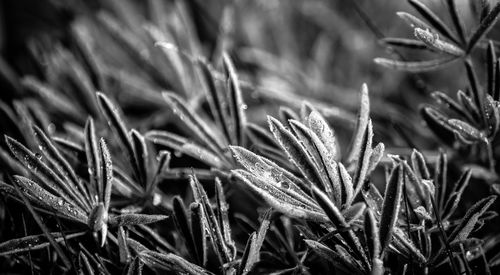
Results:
x,y
320,51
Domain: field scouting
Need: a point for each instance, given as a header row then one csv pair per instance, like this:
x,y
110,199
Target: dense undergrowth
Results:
x,y
146,138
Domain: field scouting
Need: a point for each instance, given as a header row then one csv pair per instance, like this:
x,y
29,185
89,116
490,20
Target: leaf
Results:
x,y
216,100
449,103
477,92
454,198
254,245
199,233
93,157
432,40
223,218
135,219
270,172
404,43
45,175
491,60
296,152
106,174
115,121
485,26
466,131
390,207
347,186
373,198
65,171
284,202
320,127
467,223
182,223
193,122
376,157
473,113
433,19
141,154
336,217
210,222
456,19
415,66
363,160
372,237
419,165
50,202
332,256
33,242
361,125
122,246
237,106
187,147
171,262
322,158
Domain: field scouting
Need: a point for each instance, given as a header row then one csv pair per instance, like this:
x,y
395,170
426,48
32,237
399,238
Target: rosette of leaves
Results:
x,y
428,215
53,186
210,139
319,188
433,34
470,122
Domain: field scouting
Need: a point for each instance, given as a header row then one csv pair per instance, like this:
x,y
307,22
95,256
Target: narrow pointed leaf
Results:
x,y
415,66
372,235
404,43
223,217
281,201
93,157
469,221
187,147
236,105
391,205
45,175
433,19
433,41
296,152
210,222
135,219
65,171
361,124
117,124
199,233
33,242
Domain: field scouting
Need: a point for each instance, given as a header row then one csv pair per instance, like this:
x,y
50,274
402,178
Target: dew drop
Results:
x,y
178,154
244,106
38,156
284,184
60,202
